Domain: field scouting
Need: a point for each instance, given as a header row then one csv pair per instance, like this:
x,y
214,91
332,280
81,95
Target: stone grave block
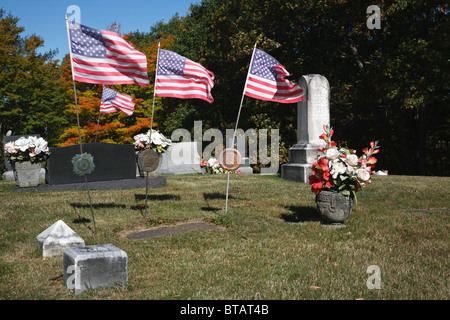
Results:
x,y
92,267
312,113
9,173
57,238
181,158
112,162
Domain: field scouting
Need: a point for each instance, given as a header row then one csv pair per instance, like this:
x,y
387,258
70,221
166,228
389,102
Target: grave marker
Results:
x,y
57,238
92,267
312,113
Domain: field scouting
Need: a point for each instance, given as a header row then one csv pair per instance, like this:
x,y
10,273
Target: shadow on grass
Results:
x,y
98,205
300,214
211,209
151,197
159,197
81,220
216,195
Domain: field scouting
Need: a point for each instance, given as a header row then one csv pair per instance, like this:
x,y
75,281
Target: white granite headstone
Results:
x,y
313,113
181,158
57,238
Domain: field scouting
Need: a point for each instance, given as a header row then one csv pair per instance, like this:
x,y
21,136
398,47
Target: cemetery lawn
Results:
x,y
270,245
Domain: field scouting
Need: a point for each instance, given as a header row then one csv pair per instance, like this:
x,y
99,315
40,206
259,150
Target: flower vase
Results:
x,y
26,173
334,207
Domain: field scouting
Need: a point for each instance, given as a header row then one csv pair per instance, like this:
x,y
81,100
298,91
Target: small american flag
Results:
x,y
103,57
113,101
266,80
179,77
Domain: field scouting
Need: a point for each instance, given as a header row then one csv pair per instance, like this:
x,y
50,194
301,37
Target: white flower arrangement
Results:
x,y
159,142
211,166
31,149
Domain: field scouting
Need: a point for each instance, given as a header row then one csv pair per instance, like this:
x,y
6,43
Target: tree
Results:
x,y
389,84
31,92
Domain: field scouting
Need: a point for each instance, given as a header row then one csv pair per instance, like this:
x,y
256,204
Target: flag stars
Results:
x,y
170,63
264,65
88,42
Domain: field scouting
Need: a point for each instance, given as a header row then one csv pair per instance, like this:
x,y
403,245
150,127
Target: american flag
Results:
x,y
266,80
179,77
103,57
113,101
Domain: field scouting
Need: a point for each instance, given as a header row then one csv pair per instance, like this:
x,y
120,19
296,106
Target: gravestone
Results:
x,y
181,158
112,162
9,173
57,238
313,113
92,267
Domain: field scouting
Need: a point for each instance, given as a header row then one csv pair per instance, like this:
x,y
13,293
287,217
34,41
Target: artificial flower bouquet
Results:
x,y
30,148
159,143
340,169
211,166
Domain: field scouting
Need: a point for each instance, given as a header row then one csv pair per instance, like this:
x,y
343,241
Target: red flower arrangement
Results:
x,y
340,169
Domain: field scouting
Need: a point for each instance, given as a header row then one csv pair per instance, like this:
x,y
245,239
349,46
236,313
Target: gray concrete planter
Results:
x,y
27,174
334,208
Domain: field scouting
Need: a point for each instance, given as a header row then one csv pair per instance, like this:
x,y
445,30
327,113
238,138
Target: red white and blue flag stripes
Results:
x,y
113,101
180,77
266,81
103,57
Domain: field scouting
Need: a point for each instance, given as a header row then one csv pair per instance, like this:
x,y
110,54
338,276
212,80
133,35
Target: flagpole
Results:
x,y
243,93
78,120
74,87
151,126
98,123
154,92
99,112
237,121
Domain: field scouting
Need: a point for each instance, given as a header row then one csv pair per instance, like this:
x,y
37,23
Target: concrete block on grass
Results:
x,y
92,267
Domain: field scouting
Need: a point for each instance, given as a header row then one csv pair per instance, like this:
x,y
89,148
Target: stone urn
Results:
x,y
334,207
26,173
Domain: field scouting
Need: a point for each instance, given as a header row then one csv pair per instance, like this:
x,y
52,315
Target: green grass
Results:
x,y
270,244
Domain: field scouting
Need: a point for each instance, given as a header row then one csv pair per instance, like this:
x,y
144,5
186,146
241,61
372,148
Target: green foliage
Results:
x,y
388,84
31,93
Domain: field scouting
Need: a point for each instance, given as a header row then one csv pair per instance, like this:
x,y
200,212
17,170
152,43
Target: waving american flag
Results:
x,y
103,57
113,101
179,77
266,80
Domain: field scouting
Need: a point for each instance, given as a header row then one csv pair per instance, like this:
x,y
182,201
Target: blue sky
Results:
x,y
46,18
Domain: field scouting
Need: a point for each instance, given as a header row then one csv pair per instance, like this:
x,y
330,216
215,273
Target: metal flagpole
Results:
x,y
78,121
237,121
98,123
151,125
98,120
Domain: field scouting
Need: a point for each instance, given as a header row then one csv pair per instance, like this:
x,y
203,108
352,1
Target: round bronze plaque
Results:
x,y
148,160
230,159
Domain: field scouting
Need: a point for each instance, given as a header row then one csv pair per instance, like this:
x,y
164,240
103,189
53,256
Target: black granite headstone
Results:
x,y
112,162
